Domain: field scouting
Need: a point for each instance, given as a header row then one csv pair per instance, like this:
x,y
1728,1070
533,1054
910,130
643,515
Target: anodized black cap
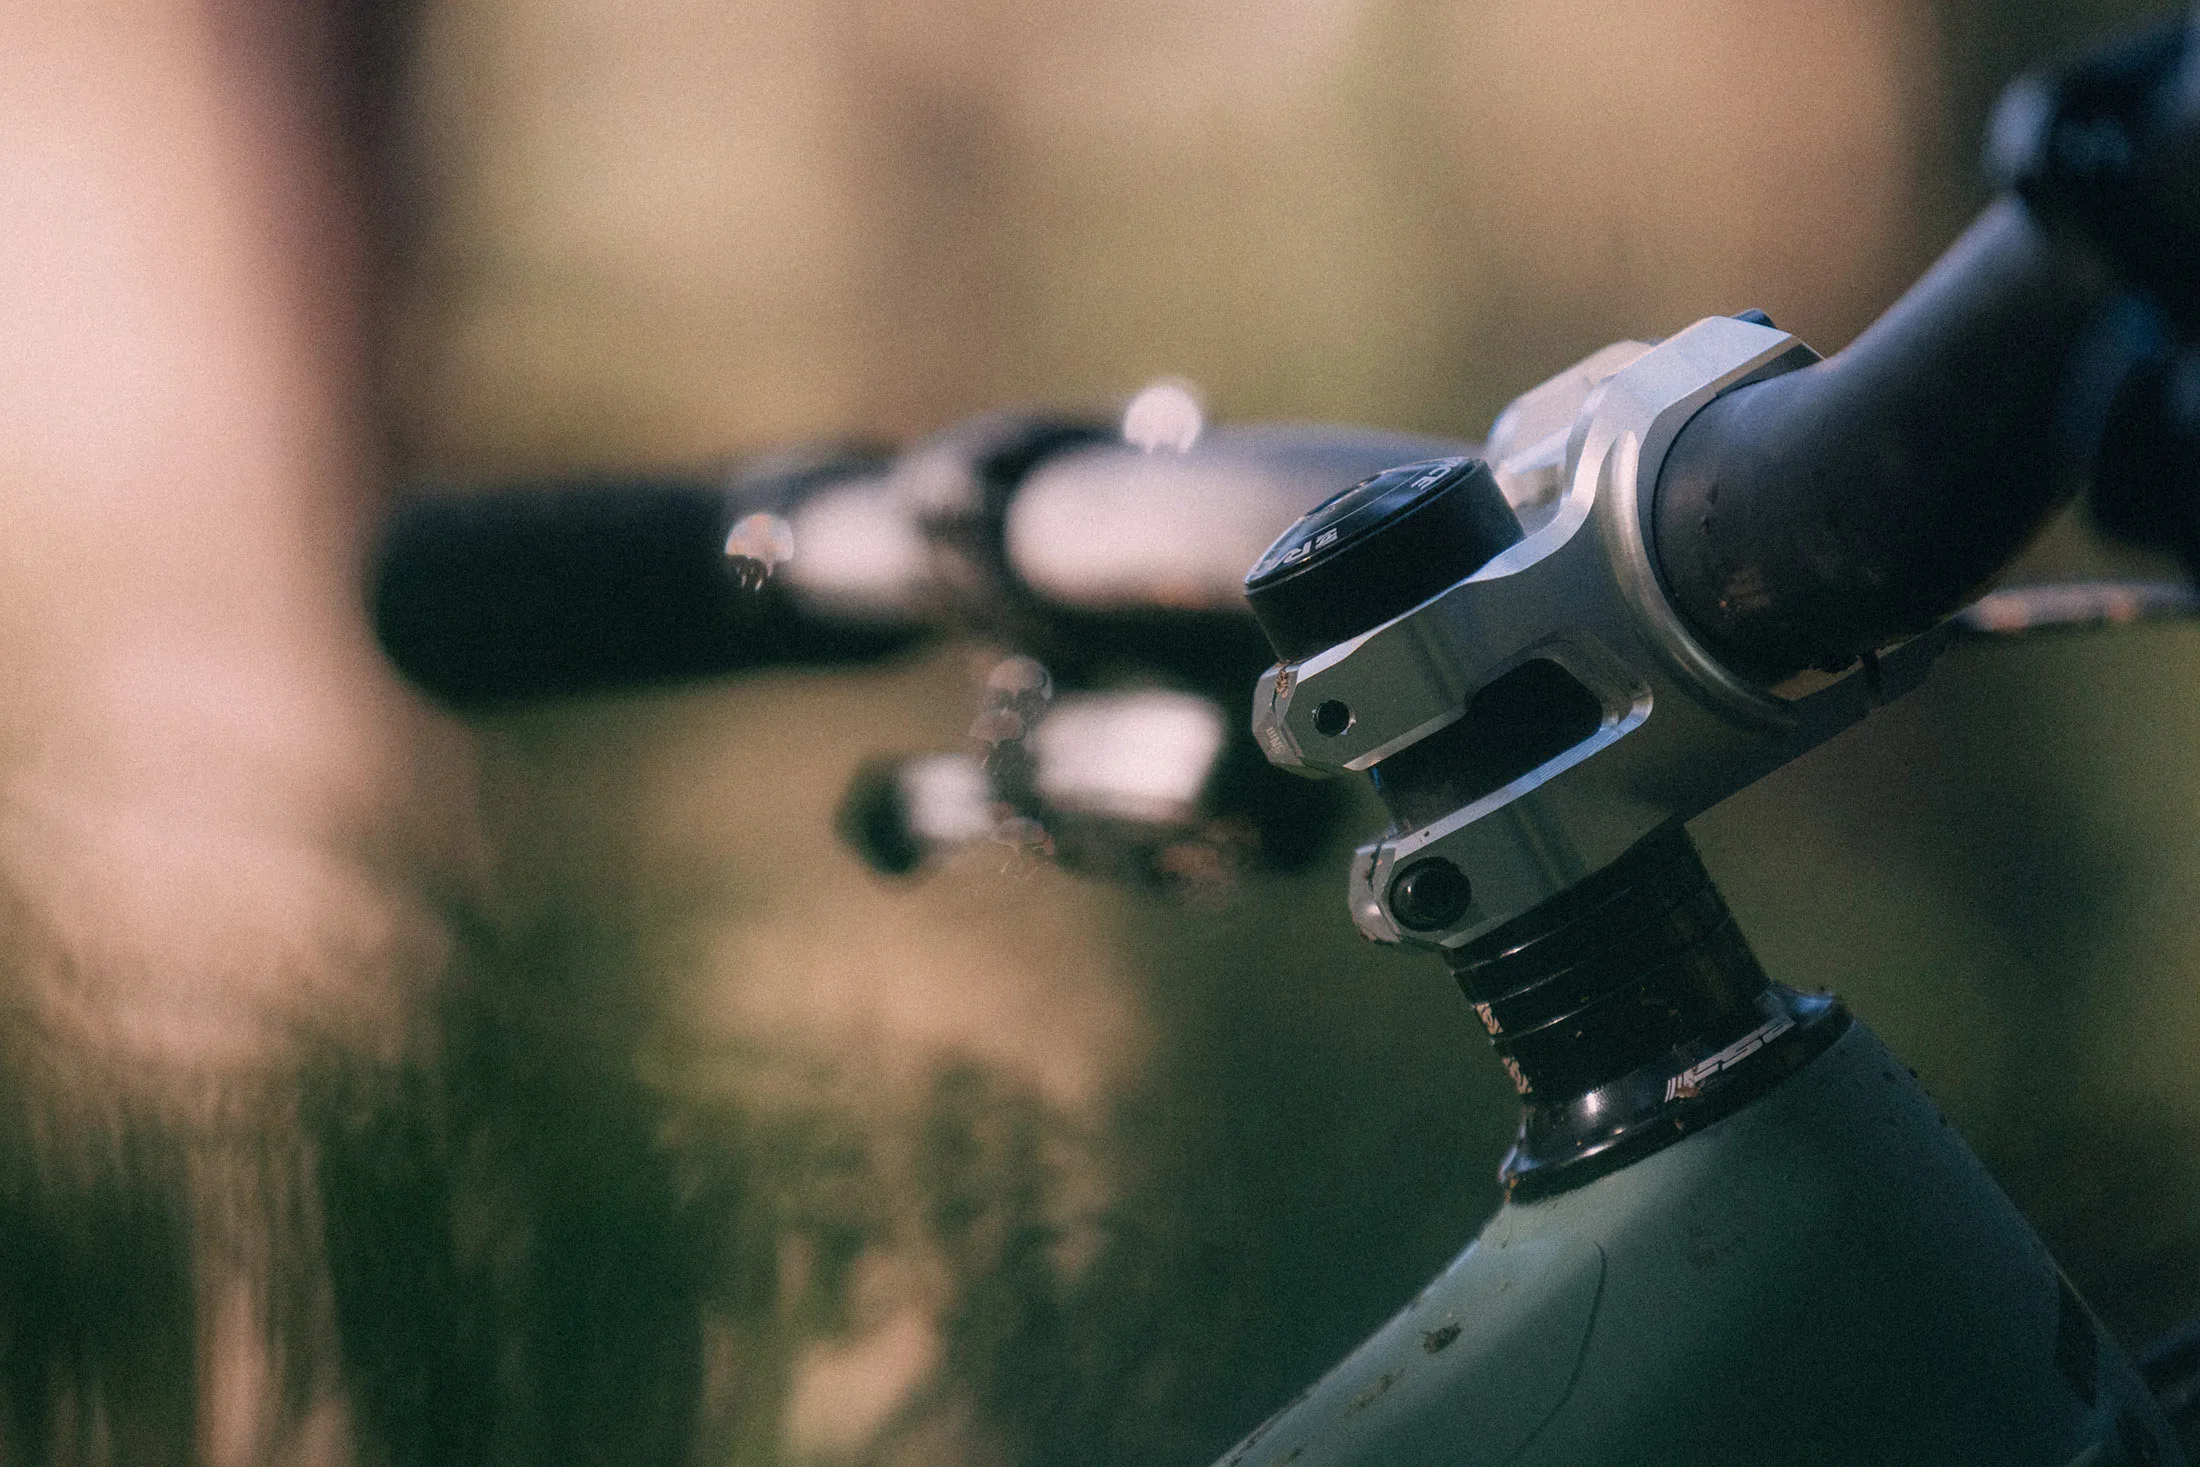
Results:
x,y
1388,543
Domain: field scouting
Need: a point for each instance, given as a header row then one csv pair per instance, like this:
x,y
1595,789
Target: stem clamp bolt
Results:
x,y
1430,895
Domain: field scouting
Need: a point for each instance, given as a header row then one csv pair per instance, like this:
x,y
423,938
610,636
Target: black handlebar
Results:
x,y
1071,545
1803,521
1813,518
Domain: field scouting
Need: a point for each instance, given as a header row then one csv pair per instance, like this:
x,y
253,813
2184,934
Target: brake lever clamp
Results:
x,y
1542,712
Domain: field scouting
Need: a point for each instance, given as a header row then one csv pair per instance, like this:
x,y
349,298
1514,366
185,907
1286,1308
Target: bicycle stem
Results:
x,y
1548,666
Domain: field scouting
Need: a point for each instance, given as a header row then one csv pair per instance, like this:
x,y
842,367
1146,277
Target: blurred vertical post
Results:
x,y
216,809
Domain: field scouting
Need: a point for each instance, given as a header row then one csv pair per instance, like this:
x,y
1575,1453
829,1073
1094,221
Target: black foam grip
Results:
x,y
511,594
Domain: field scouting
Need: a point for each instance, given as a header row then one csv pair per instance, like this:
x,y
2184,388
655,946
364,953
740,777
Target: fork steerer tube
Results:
x,y
1630,1012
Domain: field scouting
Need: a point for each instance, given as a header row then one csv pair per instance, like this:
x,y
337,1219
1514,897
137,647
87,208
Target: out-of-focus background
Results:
x,y
719,1148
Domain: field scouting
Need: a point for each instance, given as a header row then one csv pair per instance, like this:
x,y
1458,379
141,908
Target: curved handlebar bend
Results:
x,y
1810,519
1813,518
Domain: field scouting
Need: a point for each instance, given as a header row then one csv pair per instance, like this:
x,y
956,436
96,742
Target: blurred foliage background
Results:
x,y
1004,1167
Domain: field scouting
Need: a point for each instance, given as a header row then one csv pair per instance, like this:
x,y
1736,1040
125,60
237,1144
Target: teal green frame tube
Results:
x,y
1828,1275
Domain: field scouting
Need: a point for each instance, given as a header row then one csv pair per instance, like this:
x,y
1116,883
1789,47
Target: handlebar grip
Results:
x,y
511,594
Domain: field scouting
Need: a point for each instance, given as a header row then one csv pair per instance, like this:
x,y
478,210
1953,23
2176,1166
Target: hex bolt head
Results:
x,y
1430,894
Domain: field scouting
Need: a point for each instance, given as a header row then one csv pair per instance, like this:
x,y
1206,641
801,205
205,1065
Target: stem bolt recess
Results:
x,y
1430,894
